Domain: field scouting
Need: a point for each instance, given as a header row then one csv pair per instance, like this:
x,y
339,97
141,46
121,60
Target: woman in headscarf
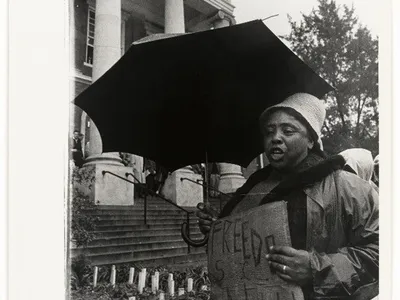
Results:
x,y
333,214
375,177
360,162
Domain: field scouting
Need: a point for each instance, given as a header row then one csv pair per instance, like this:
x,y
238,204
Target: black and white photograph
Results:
x,y
215,158
212,150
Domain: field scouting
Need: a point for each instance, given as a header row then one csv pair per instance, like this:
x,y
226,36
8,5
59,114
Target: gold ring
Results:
x,y
284,269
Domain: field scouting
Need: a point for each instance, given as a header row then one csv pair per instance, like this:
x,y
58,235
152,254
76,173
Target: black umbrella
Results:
x,y
180,99
175,99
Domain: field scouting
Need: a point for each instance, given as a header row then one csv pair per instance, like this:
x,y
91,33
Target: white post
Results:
x,y
181,291
190,285
131,275
132,298
144,274
141,282
162,297
157,275
174,16
113,275
171,287
144,270
171,284
96,271
153,284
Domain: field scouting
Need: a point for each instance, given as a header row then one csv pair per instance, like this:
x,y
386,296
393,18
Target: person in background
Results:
x,y
214,180
375,176
149,168
81,136
360,162
76,149
333,215
160,177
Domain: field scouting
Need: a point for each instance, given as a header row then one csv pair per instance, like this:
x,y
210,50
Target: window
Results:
x,y
90,37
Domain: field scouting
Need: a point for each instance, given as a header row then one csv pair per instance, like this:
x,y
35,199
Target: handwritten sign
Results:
x,y
237,247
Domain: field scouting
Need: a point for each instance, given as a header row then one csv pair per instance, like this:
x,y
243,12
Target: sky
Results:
x,y
368,12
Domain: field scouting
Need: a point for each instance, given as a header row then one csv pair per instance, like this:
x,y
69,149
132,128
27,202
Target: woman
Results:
x,y
360,162
333,215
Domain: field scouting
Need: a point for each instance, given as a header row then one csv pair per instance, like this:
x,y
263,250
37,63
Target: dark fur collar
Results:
x,y
298,180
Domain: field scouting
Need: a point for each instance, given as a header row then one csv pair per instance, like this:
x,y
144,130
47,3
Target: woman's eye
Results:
x,y
269,131
288,131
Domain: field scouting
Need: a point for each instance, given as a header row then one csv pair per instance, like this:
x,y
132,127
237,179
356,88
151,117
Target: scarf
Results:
x,y
311,170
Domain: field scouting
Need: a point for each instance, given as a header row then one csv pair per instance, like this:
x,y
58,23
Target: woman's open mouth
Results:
x,y
276,153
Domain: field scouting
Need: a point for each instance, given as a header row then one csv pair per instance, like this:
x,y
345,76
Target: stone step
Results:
x,y
137,202
158,231
139,209
149,246
144,255
140,214
178,261
142,239
122,236
176,225
140,221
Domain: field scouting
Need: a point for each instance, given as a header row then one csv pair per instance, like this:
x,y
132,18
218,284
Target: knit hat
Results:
x,y
308,106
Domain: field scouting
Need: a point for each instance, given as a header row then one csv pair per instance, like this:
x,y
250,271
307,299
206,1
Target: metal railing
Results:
x,y
185,226
142,186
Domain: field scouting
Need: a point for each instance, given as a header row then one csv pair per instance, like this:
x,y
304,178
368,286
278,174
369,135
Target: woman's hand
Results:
x,y
207,215
291,265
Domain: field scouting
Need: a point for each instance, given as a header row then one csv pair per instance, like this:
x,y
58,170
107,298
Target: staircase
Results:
x,y
122,237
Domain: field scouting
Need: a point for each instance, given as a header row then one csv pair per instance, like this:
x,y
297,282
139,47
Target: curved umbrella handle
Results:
x,y
189,241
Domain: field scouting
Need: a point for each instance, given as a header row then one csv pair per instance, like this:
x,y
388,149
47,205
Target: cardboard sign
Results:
x,y
237,247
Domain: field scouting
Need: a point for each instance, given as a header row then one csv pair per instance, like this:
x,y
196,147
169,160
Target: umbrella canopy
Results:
x,y
174,99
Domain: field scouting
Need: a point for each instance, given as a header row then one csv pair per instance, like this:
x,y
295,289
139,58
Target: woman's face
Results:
x,y
286,141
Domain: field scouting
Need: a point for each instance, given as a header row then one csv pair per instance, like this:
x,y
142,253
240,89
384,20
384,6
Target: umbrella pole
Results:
x,y
185,232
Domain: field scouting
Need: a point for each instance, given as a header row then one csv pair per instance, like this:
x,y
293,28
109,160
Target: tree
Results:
x,y
341,50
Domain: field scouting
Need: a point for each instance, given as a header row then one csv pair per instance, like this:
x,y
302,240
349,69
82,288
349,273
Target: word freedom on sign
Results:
x,y
236,255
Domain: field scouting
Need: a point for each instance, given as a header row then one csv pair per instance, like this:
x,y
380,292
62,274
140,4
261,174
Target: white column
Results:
x,y
231,176
107,50
124,18
222,21
184,193
123,36
107,36
174,16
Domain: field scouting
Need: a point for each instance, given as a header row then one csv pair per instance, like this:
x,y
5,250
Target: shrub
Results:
x,y
81,274
82,225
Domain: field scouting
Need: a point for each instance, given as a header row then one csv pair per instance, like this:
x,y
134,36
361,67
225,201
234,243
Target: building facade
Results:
x,y
103,30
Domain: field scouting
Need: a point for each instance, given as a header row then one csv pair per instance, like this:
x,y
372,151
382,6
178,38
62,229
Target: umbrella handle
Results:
x,y
189,241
